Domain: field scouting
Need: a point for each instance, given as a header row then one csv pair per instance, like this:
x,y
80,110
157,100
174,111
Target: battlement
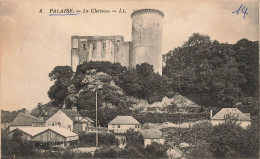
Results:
x,y
149,11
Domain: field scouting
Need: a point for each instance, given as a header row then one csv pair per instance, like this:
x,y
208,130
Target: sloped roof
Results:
x,y
230,111
124,120
151,133
33,131
23,119
62,131
70,113
86,118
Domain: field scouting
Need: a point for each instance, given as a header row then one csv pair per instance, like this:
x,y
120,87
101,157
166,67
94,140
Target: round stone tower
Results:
x,y
147,38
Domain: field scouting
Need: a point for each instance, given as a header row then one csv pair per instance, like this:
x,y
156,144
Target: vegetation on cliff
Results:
x,y
210,73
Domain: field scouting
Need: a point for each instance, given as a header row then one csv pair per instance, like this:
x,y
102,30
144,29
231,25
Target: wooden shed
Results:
x,y
52,136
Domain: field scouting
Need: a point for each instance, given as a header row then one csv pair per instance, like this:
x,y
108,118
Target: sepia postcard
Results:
x,y
129,79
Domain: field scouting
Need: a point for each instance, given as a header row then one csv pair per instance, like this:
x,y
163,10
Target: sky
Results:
x,y
33,43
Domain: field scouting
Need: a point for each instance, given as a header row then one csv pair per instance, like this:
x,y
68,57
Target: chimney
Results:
x,y
211,113
74,109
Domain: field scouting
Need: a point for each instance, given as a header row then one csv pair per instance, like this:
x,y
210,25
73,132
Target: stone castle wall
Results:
x,y
98,48
146,45
147,37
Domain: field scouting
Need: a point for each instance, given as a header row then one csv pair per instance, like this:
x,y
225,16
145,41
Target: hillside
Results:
x,y
112,100
202,72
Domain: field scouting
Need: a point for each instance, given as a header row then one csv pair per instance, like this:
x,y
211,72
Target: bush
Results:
x,y
156,150
165,117
16,145
130,152
133,139
107,152
89,139
70,154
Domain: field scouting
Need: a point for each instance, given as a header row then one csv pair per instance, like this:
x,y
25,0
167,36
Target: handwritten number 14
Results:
x,y
242,11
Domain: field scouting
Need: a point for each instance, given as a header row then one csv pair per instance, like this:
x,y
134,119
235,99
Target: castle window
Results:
x,y
84,46
140,38
94,46
118,40
104,46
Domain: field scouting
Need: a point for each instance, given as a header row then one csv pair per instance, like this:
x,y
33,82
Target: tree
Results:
x,y
250,140
200,151
205,71
247,59
133,139
16,145
248,105
144,69
155,150
62,76
201,132
227,140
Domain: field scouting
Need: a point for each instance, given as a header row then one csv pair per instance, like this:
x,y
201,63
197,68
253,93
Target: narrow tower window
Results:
x,y
140,38
94,46
104,46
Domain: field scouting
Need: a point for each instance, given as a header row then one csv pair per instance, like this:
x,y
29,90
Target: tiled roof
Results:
x,y
70,113
33,131
151,133
124,120
23,119
230,111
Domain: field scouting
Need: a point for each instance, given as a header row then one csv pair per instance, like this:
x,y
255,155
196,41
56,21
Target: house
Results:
x,y
122,123
83,125
24,120
103,130
152,135
241,118
69,119
52,136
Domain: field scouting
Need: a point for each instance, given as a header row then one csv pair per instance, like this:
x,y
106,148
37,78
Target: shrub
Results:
x,y
107,152
156,150
89,139
16,145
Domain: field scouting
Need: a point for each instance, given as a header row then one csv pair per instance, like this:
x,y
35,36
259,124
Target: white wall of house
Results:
x,y
118,128
243,124
60,119
149,141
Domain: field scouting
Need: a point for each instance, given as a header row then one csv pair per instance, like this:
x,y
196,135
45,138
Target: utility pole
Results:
x,y
96,122
78,129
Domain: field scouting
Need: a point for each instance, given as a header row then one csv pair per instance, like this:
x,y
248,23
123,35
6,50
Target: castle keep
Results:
x,y
146,44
